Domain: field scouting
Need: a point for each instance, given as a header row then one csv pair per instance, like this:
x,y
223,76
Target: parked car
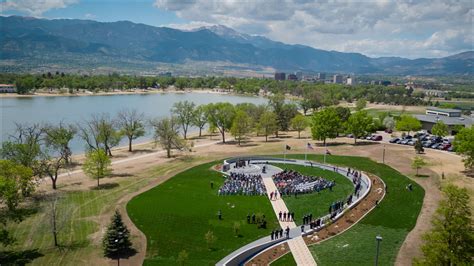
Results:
x,y
394,140
444,146
412,142
377,138
404,141
389,131
350,136
435,146
451,148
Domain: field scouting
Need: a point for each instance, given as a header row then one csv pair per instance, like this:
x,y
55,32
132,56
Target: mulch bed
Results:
x,y
349,218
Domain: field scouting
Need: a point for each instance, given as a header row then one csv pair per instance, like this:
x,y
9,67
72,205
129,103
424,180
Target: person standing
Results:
x,y
248,218
219,214
253,218
273,234
281,232
302,228
279,216
287,232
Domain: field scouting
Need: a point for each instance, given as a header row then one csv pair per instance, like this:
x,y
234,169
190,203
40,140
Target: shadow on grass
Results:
x,y
422,176
248,144
105,186
120,175
274,140
19,257
365,143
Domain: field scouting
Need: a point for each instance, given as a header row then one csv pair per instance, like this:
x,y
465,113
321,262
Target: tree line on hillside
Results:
x,y
311,93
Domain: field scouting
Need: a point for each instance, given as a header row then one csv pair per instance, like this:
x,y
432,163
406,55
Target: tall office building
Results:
x,y
280,76
337,79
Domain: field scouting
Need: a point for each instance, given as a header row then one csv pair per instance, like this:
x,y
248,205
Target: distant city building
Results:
x,y
350,81
321,76
165,74
299,75
337,79
280,76
292,77
7,88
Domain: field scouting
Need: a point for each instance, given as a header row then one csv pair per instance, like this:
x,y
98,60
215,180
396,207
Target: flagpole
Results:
x,y
284,156
325,151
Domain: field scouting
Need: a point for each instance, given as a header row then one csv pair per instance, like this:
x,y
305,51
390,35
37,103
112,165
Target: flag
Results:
x,y
309,146
288,147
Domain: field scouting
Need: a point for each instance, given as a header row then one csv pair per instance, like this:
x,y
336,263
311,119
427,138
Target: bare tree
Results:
x,y
58,217
100,132
58,137
167,134
131,124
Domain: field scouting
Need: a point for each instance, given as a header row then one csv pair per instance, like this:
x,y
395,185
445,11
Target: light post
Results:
x,y
383,154
378,239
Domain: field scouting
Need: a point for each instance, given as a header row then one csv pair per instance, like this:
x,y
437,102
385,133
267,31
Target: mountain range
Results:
x,y
33,41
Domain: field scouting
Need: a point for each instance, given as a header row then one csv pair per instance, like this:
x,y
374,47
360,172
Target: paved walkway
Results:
x,y
297,245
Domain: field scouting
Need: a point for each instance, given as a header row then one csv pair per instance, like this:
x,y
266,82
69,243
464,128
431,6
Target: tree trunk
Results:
x,y
266,137
184,133
239,141
200,129
299,133
98,184
130,144
53,180
168,153
355,140
276,134
223,136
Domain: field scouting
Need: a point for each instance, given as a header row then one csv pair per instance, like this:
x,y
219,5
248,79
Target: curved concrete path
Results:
x,y
297,245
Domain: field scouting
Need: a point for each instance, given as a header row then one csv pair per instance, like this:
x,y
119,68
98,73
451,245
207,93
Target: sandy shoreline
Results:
x,y
45,94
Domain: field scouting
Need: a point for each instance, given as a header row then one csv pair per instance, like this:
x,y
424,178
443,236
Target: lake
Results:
x,y
74,109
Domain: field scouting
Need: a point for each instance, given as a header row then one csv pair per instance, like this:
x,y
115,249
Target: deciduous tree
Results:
x,y
221,115
267,124
299,123
241,126
440,129
417,163
131,123
408,123
325,124
184,111
464,144
167,134
97,165
360,124
200,118
451,240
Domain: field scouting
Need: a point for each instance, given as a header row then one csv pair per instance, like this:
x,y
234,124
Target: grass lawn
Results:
x,y
317,203
393,219
176,215
287,260
78,213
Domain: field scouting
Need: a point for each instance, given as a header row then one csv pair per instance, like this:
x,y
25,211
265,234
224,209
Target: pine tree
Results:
x,y
116,242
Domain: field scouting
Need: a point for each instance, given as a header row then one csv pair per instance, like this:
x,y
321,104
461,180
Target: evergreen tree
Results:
x,y
419,147
116,242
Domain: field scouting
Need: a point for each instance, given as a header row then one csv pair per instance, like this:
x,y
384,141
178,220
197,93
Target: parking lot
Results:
x,y
427,140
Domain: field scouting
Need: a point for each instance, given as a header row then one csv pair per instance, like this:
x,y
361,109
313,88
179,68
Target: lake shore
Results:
x,y
131,92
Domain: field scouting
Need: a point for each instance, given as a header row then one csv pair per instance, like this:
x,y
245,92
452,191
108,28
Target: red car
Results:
x,y
377,138
444,146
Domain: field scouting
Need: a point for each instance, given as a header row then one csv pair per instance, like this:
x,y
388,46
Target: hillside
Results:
x,y
80,44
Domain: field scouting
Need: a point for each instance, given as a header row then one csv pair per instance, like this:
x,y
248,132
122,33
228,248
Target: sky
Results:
x,y
406,28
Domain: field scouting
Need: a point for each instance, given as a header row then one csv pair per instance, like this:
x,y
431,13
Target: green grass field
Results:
x,y
393,219
78,212
317,203
176,215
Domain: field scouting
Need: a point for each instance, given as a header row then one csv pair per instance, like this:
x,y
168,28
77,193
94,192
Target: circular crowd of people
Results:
x,y
291,182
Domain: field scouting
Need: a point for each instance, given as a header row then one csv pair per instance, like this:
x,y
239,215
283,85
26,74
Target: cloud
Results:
x,y
420,28
35,7
90,16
